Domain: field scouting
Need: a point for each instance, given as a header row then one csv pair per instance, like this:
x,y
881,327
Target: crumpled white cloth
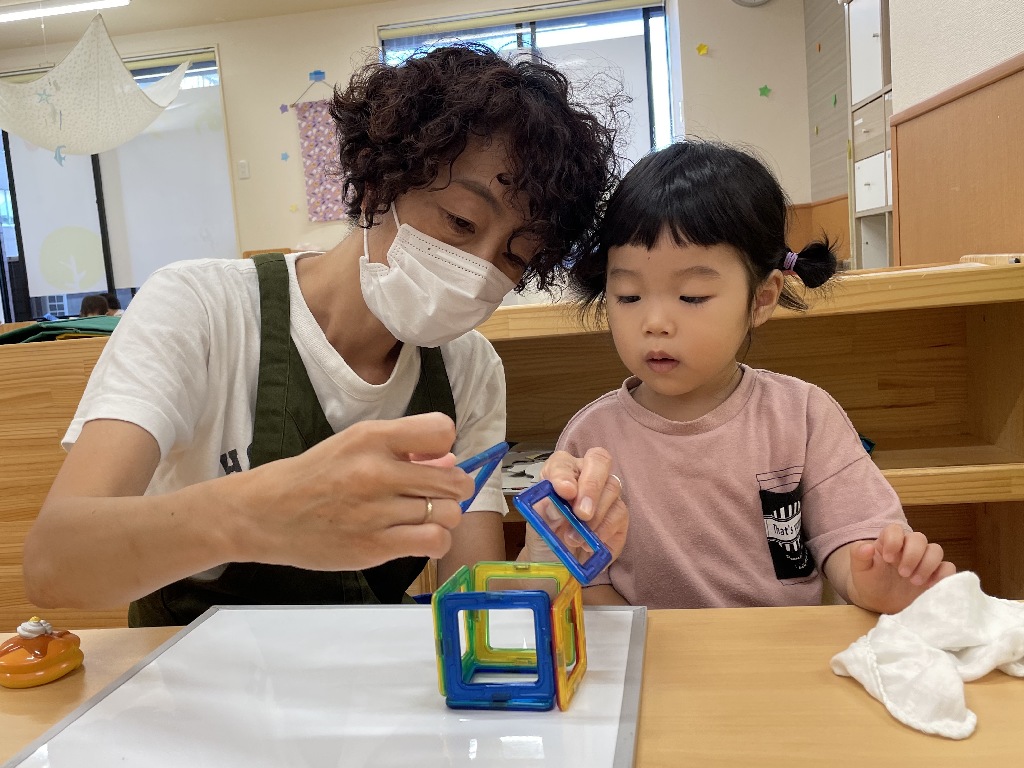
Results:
x,y
915,661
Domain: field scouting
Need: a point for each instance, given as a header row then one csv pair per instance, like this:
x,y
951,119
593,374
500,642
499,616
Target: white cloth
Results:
x,y
88,103
183,364
915,661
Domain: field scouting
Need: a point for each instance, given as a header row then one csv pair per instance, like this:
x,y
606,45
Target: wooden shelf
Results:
x,y
534,321
966,484
951,470
856,292
942,451
948,285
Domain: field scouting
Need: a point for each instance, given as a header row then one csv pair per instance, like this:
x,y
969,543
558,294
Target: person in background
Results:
x,y
241,438
745,487
114,304
94,306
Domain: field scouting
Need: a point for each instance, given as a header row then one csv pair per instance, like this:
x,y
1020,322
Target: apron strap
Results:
x,y
433,390
288,419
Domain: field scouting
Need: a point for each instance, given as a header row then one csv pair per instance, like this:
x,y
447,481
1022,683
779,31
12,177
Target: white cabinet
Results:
x,y
888,177
865,48
869,130
870,107
869,183
873,239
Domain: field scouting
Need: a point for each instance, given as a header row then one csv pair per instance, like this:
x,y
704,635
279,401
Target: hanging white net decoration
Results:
x,y
88,103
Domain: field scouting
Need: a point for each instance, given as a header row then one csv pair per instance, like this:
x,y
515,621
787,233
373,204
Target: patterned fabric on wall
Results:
x,y
319,142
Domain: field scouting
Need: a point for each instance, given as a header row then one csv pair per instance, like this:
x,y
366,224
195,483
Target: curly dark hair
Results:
x,y
399,126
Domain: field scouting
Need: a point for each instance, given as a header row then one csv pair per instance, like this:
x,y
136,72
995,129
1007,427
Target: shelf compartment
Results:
x,y
923,486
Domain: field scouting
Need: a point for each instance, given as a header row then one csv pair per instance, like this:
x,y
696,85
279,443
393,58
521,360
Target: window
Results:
x,y
6,211
168,190
202,74
165,196
622,48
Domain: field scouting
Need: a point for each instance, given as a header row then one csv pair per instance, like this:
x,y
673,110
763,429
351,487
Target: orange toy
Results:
x,y
38,654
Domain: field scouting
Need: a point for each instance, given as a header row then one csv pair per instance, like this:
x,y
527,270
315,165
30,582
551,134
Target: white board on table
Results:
x,y
342,686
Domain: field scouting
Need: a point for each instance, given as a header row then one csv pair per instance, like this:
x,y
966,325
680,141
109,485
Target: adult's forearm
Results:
x,y
102,552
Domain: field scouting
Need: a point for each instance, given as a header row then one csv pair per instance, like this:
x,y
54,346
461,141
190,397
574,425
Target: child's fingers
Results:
x,y
613,527
862,556
890,543
595,471
562,470
546,508
606,502
930,561
945,569
914,547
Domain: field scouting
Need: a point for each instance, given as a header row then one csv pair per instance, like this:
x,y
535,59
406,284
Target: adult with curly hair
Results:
x,y
246,436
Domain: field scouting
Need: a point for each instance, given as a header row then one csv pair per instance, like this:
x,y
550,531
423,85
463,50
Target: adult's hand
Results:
x,y
374,492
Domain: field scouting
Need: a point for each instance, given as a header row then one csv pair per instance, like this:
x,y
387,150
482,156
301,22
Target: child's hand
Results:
x,y
887,574
594,494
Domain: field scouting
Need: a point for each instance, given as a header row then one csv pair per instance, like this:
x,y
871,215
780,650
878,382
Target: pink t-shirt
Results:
x,y
739,507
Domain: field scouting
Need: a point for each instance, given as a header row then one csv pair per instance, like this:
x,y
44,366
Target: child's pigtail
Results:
x,y
815,265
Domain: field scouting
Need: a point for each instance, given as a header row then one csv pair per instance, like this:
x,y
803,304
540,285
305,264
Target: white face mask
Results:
x,y
429,292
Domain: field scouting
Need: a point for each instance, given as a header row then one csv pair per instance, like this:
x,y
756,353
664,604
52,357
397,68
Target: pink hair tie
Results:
x,y
789,263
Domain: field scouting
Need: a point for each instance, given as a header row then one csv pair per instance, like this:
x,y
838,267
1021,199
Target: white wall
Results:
x,y
265,62
748,48
827,110
936,44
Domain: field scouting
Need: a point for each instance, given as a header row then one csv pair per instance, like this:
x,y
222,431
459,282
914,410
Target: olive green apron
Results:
x,y
288,421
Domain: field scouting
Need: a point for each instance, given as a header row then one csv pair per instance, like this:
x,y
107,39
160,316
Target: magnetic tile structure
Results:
x,y
475,674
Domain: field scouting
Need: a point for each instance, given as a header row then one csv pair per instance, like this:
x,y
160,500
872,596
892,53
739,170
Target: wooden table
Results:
x,y
747,687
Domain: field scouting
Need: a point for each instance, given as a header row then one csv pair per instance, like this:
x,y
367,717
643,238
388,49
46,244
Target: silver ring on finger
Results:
x,y
619,479
429,517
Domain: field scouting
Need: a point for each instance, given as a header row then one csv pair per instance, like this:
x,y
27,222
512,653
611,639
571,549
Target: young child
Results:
x,y
744,487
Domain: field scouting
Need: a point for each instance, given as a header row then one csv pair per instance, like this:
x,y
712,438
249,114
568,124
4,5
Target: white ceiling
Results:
x,y
152,15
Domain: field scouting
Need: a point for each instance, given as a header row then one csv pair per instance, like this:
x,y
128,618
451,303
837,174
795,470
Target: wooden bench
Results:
x,y
5,327
40,386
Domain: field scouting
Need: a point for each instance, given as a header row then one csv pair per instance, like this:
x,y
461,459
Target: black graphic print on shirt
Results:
x,y
781,512
229,461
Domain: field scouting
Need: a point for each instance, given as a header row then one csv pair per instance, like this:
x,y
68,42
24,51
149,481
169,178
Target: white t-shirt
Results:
x,y
183,364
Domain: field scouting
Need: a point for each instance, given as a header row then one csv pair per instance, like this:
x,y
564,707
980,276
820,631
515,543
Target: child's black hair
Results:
x,y
703,193
398,126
